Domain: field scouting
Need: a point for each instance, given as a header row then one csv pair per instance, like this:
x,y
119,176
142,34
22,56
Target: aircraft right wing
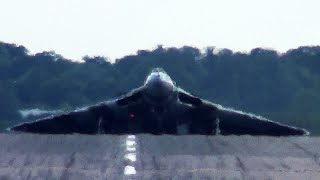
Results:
x,y
86,121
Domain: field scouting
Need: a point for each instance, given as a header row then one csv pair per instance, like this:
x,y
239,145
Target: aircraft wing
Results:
x,y
86,121
208,118
202,116
95,119
239,123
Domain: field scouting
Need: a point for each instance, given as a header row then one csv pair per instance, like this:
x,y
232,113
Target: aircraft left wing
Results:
x,y
240,123
208,118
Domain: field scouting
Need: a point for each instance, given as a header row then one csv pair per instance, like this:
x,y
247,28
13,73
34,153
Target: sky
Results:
x,y
115,28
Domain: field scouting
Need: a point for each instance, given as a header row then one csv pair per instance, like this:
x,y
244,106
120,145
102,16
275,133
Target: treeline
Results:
x,y
283,87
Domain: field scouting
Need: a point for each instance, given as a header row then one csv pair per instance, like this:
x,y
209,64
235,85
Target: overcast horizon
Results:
x,y
116,28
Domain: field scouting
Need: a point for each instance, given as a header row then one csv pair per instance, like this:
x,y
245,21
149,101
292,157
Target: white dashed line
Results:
x,y
130,156
129,170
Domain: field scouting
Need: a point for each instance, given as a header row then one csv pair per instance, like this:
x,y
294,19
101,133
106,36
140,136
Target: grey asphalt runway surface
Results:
x,y
27,156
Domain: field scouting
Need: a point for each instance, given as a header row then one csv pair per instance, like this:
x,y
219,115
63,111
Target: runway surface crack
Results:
x,y
309,153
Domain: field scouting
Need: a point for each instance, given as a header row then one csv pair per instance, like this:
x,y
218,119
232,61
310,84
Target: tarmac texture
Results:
x,y
28,156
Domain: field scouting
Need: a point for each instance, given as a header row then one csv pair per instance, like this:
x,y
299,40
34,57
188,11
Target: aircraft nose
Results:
x,y
157,81
157,87
157,84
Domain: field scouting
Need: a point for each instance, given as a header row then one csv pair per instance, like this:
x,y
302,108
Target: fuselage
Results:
x,y
159,109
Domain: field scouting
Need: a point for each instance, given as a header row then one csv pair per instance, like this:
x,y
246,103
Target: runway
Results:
x,y
27,156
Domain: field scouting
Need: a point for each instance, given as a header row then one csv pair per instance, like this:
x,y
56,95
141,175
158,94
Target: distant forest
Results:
x,y
282,87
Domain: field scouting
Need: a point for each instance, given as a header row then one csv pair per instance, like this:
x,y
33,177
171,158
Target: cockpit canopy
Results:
x,y
159,86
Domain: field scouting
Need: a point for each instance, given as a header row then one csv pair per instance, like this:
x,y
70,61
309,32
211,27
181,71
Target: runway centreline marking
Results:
x,y
130,156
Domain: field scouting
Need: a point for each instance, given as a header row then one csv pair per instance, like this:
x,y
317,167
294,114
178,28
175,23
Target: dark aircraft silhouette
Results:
x,y
158,107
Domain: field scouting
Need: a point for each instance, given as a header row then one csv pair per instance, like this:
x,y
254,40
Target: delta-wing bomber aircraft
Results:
x,y
158,107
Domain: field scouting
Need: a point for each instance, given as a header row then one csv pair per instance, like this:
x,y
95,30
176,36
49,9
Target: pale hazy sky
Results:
x,y
114,28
